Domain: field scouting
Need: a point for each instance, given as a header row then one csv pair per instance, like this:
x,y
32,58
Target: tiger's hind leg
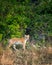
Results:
x,y
14,47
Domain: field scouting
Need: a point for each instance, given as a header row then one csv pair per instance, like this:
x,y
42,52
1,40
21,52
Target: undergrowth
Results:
x,y
31,56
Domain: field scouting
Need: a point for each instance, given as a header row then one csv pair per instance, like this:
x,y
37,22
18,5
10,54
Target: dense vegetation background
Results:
x,y
20,17
17,15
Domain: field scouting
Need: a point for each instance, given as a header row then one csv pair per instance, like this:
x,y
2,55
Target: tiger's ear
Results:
x,y
27,36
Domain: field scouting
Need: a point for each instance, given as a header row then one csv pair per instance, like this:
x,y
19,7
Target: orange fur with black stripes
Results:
x,y
21,41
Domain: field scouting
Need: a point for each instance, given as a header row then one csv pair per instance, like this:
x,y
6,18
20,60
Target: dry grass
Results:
x,y
42,56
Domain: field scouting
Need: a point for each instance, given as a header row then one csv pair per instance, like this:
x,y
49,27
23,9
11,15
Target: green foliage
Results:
x,y
17,15
1,37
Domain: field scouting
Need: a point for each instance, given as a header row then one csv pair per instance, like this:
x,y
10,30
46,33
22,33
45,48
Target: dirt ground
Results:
x,y
42,56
